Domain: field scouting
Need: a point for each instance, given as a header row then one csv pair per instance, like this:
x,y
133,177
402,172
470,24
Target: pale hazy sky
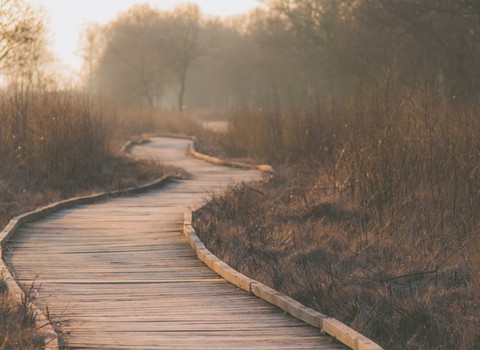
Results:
x,y
68,17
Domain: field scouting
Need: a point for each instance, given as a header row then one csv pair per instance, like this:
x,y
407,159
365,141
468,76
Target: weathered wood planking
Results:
x,y
124,276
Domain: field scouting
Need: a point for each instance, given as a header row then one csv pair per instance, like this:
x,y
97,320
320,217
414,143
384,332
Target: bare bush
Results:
x,y
51,139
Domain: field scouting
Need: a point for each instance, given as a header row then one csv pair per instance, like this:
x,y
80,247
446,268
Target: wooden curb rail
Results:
x,y
14,291
217,161
328,325
210,159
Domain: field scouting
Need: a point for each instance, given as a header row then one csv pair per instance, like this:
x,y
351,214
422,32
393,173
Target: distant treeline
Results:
x,y
288,51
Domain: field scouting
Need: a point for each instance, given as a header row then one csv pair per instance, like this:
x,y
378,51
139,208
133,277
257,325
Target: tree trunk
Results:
x,y
181,95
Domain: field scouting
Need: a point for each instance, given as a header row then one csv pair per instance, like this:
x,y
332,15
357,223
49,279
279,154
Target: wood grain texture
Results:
x,y
125,277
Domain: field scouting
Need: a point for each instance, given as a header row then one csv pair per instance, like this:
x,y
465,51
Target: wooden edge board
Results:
x,y
289,305
328,325
193,153
214,263
218,161
348,336
127,147
14,290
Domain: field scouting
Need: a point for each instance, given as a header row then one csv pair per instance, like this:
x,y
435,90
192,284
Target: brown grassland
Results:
x,y
371,216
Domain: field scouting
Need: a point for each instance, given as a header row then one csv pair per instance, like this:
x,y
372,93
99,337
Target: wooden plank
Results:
x,y
125,277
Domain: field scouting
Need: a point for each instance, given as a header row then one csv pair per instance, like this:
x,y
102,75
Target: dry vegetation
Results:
x,y
18,329
368,109
55,145
369,112
58,142
371,217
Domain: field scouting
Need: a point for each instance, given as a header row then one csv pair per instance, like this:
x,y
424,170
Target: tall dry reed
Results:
x,y
375,220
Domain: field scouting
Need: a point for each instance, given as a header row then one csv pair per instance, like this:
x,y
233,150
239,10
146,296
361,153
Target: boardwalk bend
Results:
x,y
123,275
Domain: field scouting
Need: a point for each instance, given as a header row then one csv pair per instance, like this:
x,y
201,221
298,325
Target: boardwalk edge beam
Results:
x,y
13,289
325,324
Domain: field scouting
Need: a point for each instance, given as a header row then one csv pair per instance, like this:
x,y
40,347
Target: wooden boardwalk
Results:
x,y
124,276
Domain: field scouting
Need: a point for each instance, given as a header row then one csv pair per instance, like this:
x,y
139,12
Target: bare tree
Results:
x,y
146,52
92,45
187,40
21,35
438,40
132,67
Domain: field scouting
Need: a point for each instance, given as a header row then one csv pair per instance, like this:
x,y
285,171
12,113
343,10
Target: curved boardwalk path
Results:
x,y
123,275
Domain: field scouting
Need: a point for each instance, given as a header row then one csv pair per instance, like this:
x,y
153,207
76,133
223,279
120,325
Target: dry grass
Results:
x,y
115,173
55,145
139,122
379,229
17,322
